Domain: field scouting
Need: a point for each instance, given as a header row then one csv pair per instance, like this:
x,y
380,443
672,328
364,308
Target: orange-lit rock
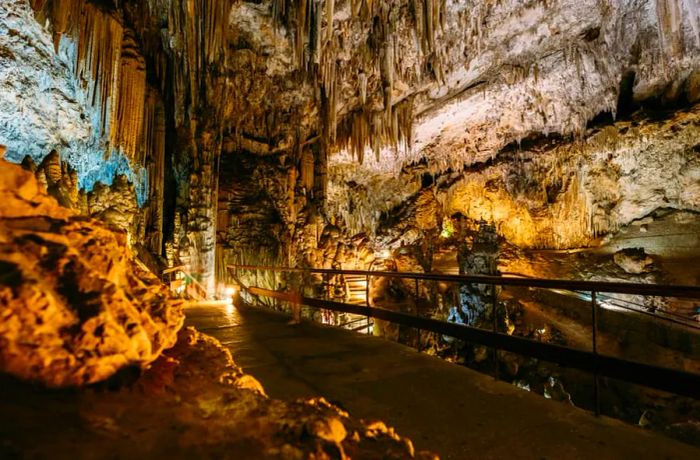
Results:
x,y
194,402
75,307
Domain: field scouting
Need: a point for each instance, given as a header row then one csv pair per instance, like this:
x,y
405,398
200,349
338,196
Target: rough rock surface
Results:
x,y
115,204
194,402
435,86
43,103
633,260
75,307
551,193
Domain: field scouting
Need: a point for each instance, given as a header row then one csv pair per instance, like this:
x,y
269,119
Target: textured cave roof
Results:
x,y
509,70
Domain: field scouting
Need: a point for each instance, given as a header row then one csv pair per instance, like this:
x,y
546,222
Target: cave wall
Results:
x,y
44,106
554,193
116,93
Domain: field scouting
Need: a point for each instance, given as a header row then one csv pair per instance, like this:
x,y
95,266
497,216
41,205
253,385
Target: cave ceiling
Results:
x,y
387,84
479,74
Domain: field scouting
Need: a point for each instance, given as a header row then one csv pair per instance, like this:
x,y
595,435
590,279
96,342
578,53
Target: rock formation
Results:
x,y
211,407
75,306
351,110
115,205
76,309
633,260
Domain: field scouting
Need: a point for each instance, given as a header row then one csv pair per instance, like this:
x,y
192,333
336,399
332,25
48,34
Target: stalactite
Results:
x,y
374,130
693,9
362,82
98,60
109,65
307,169
318,59
330,11
428,16
127,120
199,29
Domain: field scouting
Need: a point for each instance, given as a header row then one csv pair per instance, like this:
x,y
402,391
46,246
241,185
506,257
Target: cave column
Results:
x,y
202,209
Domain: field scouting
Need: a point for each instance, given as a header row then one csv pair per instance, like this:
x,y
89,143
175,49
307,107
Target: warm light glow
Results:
x,y
448,229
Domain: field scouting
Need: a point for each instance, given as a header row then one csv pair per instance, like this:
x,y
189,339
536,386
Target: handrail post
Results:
x,y
420,341
367,299
594,343
494,304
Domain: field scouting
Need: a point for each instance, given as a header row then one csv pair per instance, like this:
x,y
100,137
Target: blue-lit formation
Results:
x,y
43,106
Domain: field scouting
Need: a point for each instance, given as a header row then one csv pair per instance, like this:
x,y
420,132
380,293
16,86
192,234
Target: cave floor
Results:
x,y
449,409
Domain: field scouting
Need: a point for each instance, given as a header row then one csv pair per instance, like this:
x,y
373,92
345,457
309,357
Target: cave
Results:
x,y
349,229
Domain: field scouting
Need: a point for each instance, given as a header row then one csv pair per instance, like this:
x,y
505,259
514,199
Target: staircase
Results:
x,y
357,289
357,295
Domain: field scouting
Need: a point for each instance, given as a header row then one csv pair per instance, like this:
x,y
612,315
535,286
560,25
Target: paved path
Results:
x,y
449,409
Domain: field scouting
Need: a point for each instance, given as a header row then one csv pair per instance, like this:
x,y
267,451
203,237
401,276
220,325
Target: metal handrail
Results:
x,y
675,381
625,304
201,290
672,380
174,269
664,290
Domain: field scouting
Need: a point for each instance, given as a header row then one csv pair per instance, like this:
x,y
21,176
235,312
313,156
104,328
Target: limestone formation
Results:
x,y
115,205
633,260
75,307
357,102
325,133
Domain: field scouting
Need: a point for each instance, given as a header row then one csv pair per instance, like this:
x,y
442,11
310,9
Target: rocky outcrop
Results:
x,y
115,205
549,193
59,180
479,258
633,260
194,402
75,307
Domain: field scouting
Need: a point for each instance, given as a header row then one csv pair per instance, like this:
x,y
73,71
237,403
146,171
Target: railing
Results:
x,y
666,379
182,282
626,305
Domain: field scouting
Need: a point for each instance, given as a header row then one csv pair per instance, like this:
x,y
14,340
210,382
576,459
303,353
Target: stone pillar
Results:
x,y
203,203
479,259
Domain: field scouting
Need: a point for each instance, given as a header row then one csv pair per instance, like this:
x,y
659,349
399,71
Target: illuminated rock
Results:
x,y
75,307
193,402
115,205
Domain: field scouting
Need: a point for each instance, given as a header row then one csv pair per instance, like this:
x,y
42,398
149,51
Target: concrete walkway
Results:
x,y
451,410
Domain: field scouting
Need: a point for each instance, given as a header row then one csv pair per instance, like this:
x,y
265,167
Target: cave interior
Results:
x,y
165,165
